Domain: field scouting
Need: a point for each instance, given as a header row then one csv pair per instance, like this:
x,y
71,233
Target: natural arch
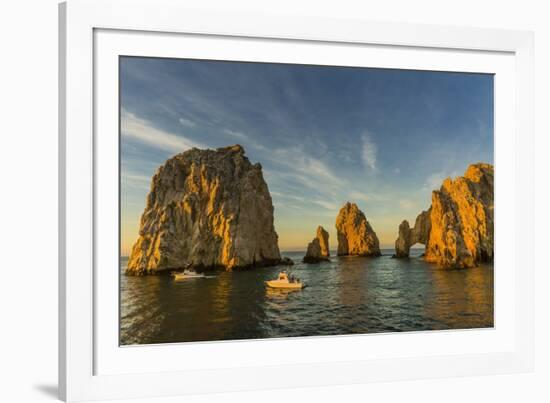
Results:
x,y
409,236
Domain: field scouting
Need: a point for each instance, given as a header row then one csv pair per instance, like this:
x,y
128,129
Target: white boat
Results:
x,y
186,274
285,283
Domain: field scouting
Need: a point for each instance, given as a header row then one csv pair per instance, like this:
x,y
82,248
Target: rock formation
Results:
x,y
317,250
409,236
458,228
404,240
355,235
206,208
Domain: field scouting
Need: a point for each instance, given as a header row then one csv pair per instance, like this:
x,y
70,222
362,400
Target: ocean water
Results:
x,y
348,295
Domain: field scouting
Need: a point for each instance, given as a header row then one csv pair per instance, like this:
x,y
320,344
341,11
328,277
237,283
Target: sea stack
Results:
x,y
458,228
355,235
206,209
317,250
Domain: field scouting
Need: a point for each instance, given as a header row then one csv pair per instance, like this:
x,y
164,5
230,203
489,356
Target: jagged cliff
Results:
x,y
317,250
355,234
458,229
206,208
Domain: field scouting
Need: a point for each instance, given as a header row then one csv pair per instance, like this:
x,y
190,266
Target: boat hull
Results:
x,y
284,284
178,276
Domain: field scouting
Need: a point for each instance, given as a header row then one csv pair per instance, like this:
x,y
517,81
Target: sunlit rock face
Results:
x,y
355,235
317,250
206,208
409,236
461,221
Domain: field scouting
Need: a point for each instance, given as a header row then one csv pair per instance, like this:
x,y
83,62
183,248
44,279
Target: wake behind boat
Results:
x,y
284,282
186,274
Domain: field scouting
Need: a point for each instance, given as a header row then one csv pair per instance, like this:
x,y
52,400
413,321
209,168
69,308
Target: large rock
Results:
x,y
317,250
206,208
355,235
458,229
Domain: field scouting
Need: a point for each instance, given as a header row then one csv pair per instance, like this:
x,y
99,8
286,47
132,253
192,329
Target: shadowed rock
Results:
x,y
318,250
206,208
355,235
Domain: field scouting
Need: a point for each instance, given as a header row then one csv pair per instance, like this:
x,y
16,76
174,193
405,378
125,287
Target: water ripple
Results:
x,y
347,295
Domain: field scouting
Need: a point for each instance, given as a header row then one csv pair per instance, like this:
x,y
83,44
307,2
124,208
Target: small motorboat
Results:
x,y
186,274
284,282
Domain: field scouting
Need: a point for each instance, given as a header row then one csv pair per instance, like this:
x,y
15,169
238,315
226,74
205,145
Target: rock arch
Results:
x,y
458,228
420,233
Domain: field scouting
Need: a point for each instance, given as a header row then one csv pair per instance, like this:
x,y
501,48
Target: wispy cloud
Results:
x,y
244,139
355,195
311,171
326,204
287,196
237,135
144,131
315,153
187,122
434,181
369,152
303,174
135,180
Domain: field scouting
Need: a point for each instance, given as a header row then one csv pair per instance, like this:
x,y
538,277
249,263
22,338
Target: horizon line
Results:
x,y
333,252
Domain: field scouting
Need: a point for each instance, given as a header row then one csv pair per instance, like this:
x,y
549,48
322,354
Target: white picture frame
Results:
x,y
92,366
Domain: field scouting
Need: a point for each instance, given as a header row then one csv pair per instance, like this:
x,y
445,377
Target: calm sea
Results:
x,y
348,295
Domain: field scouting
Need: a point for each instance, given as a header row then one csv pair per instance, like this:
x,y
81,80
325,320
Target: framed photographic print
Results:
x,y
254,198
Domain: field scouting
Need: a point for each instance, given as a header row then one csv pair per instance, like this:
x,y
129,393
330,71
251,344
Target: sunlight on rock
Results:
x,y
206,208
355,234
458,228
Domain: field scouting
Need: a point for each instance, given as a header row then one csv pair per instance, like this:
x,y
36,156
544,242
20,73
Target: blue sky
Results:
x,y
381,138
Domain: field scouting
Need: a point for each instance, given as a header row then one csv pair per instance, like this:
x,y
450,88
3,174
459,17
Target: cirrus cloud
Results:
x,y
368,152
143,131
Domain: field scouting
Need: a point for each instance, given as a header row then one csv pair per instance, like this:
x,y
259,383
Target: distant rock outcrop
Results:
x,y
458,228
404,240
355,235
317,250
206,208
410,236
